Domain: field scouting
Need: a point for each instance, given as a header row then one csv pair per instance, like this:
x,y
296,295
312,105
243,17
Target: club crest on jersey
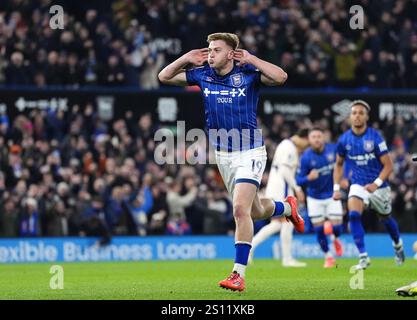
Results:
x,y
237,79
330,157
368,145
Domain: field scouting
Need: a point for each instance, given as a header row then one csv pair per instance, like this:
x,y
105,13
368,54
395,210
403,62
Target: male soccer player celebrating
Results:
x,y
316,173
367,152
231,93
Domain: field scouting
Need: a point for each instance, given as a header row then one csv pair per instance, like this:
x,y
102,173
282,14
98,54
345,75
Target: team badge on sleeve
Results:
x,y
368,145
382,146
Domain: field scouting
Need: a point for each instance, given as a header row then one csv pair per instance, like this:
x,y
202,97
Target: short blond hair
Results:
x,y
231,39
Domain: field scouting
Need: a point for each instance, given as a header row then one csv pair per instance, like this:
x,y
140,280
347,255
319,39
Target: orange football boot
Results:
x,y
234,282
295,218
330,262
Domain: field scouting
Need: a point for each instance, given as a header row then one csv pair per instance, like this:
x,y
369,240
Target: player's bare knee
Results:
x,y
355,204
336,222
240,211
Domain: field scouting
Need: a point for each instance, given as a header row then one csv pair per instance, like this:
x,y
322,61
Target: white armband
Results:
x,y
336,187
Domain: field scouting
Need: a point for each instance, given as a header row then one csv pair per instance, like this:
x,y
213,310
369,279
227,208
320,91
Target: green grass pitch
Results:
x,y
197,280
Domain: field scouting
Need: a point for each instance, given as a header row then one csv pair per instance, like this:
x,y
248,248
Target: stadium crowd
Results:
x,y
126,42
71,173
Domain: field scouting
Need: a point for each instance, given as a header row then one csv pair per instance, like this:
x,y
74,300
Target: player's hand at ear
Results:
x,y
197,57
242,56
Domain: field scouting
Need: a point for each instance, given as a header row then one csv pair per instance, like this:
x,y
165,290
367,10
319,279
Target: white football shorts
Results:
x,y
380,200
320,209
241,166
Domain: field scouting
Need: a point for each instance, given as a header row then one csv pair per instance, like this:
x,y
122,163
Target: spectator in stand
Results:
x,y
9,218
54,156
146,34
53,72
57,157
114,73
29,220
18,73
93,222
177,202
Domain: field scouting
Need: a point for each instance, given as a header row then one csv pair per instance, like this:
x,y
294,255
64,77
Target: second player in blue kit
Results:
x,y
366,152
316,174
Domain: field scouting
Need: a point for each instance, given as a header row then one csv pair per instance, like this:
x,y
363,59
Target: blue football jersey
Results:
x,y
323,162
362,155
230,103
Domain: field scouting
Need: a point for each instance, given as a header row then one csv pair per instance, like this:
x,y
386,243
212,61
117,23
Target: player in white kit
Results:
x,y
282,183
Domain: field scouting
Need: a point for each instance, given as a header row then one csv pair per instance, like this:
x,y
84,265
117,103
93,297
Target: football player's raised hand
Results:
x,y
242,56
197,57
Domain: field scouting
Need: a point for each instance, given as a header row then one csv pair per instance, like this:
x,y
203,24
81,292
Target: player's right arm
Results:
x,y
174,73
305,173
337,176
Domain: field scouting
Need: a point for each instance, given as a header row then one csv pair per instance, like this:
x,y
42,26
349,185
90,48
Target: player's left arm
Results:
x,y
381,151
384,174
271,75
388,166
